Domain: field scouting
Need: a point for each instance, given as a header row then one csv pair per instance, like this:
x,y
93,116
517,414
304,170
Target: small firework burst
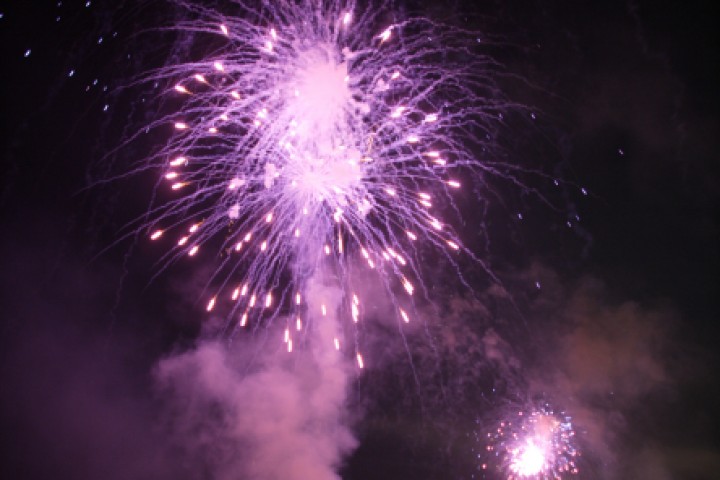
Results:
x,y
536,444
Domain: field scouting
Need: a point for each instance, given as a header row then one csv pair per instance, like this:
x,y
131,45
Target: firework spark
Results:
x,y
313,133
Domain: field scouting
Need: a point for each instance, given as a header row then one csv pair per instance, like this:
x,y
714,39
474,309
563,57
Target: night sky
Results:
x,y
609,310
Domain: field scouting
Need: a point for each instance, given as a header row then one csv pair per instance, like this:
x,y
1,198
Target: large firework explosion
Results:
x,y
315,134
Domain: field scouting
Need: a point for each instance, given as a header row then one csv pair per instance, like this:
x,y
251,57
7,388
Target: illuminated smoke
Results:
x,y
245,412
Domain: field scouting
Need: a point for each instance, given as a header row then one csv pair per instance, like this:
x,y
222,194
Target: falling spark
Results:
x,y
211,304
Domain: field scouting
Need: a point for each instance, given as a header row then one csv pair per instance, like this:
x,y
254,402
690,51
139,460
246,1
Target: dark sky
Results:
x,y
622,334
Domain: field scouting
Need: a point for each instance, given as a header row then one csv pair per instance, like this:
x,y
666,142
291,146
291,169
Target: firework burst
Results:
x,y
312,134
537,444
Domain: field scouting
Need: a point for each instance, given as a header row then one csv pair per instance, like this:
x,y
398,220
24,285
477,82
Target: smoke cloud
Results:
x,y
608,369
251,410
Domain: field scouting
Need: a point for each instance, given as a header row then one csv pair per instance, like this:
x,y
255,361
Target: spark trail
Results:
x,y
313,134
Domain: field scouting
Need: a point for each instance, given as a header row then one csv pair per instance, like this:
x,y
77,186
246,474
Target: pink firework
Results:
x,y
314,136
539,444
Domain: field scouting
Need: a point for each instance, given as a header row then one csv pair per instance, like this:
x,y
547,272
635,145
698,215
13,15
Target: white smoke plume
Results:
x,y
248,411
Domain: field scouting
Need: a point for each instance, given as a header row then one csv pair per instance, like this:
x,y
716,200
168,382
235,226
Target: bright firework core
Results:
x,y
535,452
529,460
322,97
323,161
